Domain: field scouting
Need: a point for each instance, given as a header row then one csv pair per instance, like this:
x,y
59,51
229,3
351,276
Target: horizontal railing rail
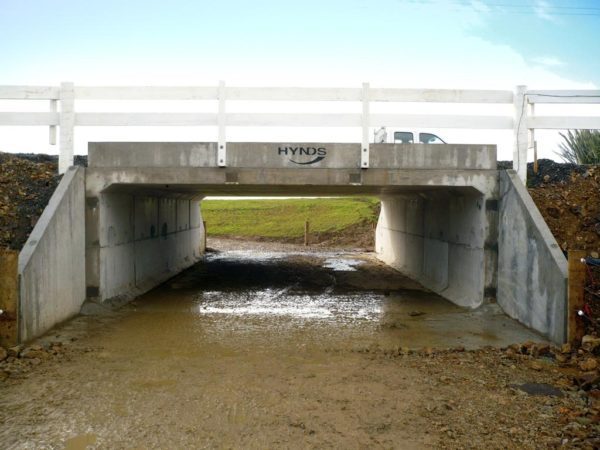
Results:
x,y
521,120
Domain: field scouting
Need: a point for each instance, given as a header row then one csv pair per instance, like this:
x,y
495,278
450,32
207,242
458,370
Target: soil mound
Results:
x,y
568,197
25,189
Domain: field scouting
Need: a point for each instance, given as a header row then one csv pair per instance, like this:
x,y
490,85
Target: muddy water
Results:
x,y
249,349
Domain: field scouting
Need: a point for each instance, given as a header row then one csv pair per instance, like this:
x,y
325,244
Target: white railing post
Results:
x,y
222,144
530,131
364,152
520,133
52,129
67,125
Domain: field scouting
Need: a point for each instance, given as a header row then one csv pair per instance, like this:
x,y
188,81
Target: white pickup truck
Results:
x,y
406,137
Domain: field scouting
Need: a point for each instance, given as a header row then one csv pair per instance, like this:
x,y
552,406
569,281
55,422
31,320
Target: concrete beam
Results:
x,y
309,155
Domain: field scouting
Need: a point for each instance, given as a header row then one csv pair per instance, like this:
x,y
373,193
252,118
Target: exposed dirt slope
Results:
x,y
568,197
25,189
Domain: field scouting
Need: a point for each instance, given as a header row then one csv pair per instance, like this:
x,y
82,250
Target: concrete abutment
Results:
x,y
449,219
136,241
442,240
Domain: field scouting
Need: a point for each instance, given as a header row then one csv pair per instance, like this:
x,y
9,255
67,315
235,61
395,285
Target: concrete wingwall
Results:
x,y
51,264
134,242
532,270
439,239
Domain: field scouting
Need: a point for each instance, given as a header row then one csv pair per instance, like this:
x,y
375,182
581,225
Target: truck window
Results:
x,y
403,137
428,138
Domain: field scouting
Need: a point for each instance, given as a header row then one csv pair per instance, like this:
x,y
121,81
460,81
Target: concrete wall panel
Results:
x,y
465,275
437,238
183,215
117,271
52,262
466,226
116,221
436,217
414,216
435,264
532,271
151,260
146,218
161,243
195,215
167,216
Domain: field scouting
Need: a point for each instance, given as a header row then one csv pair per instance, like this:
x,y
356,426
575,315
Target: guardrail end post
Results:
x,y
364,150
67,126
52,129
520,133
222,144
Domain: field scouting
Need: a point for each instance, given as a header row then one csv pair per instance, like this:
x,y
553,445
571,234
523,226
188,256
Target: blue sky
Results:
x,y
493,44
410,40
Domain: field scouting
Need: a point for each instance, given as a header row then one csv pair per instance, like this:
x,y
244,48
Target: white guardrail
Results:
x,y
522,121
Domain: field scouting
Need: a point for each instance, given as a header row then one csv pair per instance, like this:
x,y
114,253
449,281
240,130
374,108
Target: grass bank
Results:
x,y
283,219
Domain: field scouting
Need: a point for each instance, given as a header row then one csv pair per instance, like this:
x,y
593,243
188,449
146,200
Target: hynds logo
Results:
x,y
296,154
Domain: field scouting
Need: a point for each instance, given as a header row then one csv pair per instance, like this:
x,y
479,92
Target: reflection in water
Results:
x,y
269,302
341,264
350,298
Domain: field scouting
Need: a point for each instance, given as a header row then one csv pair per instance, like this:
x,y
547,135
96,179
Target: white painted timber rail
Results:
x,y
522,120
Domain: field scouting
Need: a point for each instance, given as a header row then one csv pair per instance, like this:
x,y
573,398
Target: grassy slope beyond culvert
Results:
x,y
284,218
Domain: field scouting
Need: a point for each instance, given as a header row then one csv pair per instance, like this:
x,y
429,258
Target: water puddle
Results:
x,y
247,350
342,264
350,298
80,442
295,306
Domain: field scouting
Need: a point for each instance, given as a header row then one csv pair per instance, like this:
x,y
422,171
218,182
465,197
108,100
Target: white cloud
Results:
x,y
548,61
542,10
480,7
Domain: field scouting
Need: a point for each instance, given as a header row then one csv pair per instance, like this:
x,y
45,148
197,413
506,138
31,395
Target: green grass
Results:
x,y
285,218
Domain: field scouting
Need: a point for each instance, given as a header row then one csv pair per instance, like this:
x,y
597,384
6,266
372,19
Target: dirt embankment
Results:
x,y
25,189
568,197
27,181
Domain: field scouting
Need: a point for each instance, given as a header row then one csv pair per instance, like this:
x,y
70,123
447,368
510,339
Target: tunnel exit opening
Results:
x,y
332,221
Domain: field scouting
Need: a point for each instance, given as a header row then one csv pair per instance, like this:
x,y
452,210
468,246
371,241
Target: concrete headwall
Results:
x,y
307,155
51,264
137,241
532,270
439,239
